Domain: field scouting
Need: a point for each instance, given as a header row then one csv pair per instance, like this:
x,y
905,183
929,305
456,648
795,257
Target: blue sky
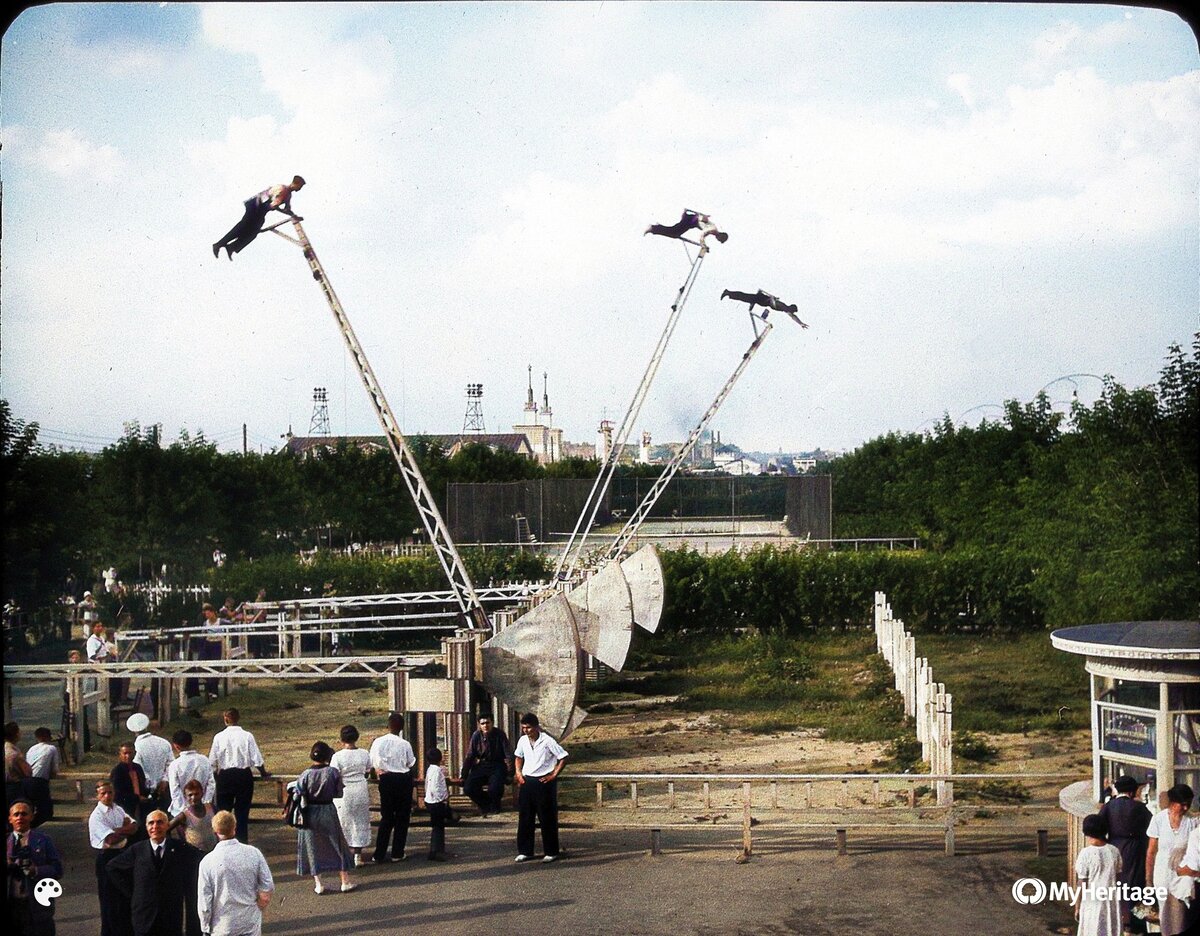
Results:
x,y
967,201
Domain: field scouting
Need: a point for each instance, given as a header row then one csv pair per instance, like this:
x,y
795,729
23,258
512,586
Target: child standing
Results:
x,y
437,801
1098,867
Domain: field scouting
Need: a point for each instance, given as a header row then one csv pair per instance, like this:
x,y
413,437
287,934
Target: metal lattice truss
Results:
x,y
431,518
498,593
291,668
413,622
574,548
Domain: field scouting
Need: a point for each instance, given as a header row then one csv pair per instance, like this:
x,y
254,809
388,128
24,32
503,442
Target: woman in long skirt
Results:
x,y
1168,833
320,844
354,806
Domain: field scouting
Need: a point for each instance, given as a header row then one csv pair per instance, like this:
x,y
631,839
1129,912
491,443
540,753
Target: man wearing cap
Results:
x,y
154,754
539,759
233,755
86,613
1128,818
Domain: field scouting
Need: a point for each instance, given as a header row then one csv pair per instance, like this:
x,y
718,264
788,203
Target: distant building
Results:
x,y
545,441
736,464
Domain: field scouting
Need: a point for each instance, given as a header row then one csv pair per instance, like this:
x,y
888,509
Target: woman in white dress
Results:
x,y
1098,866
354,806
1168,832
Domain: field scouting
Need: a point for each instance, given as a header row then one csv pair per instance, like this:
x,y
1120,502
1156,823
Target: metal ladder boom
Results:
x,y
643,509
439,535
573,549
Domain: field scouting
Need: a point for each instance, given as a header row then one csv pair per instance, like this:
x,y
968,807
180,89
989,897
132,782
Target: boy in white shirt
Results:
x,y
437,801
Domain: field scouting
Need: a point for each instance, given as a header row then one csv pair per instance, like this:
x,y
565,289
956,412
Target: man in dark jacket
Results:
x,y
32,858
158,875
488,764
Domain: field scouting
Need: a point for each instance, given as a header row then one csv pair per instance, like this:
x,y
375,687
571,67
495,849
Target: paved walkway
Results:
x,y
609,884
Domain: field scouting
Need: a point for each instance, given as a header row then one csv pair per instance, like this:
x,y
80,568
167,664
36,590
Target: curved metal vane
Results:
x,y
603,609
643,571
534,665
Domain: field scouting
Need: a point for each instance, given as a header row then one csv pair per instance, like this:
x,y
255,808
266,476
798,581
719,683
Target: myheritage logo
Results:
x,y
1035,891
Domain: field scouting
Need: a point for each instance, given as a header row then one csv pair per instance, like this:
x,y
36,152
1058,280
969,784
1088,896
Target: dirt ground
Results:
x,y
891,882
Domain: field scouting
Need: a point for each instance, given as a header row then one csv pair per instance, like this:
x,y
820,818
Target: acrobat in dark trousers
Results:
x,y
243,233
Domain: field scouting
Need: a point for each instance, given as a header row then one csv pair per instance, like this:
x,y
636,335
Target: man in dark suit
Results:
x,y
1128,819
158,875
31,858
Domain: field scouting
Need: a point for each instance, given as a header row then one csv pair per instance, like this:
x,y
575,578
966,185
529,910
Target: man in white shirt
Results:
x,y
108,830
154,754
43,760
539,760
97,646
234,886
189,764
392,759
233,754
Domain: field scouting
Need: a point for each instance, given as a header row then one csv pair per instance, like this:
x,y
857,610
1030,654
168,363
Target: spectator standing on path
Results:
x,y
437,801
158,878
539,759
44,760
234,885
31,856
488,764
109,829
189,764
1098,867
1168,832
1126,818
129,784
234,756
194,824
392,759
16,769
155,756
354,805
320,844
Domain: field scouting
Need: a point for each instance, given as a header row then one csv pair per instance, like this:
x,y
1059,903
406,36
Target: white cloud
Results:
x,y
960,83
68,155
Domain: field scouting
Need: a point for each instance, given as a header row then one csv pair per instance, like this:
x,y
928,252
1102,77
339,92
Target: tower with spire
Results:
x,y
536,423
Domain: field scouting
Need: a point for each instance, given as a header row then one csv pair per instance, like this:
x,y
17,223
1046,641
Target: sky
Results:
x,y
969,203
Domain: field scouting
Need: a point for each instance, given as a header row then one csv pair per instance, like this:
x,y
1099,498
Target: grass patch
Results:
x,y
766,683
1009,682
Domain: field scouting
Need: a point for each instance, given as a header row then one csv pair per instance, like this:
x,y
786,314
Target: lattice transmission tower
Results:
x,y
319,425
473,421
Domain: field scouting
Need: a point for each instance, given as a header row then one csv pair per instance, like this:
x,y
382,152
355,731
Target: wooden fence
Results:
x,y
925,701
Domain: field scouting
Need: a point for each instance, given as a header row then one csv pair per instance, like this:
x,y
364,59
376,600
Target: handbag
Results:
x,y
295,810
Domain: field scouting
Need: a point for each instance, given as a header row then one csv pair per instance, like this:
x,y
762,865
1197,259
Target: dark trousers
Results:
x,y
537,801
395,811
115,915
38,790
439,815
485,786
242,233
235,790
